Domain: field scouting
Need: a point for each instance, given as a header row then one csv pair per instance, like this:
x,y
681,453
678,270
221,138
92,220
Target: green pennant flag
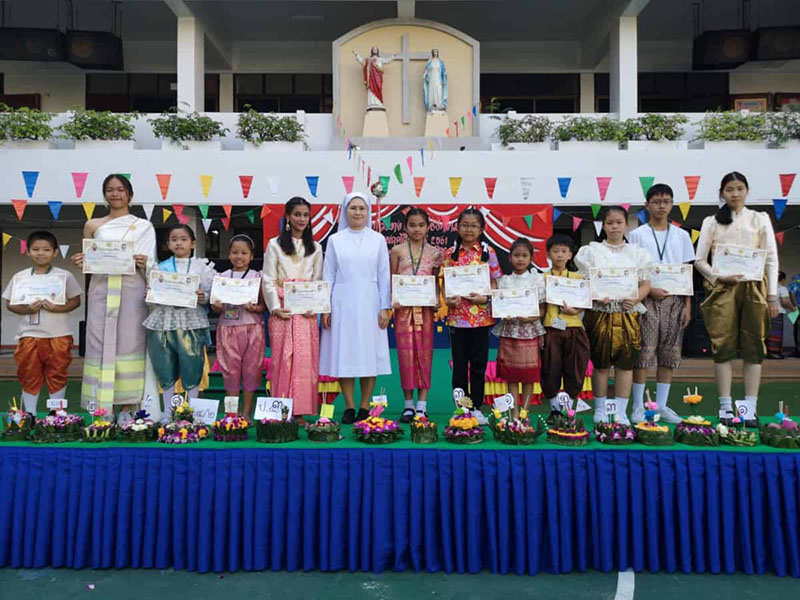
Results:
x,y
203,210
250,214
646,183
595,210
398,172
463,122
126,176
528,220
387,223
384,179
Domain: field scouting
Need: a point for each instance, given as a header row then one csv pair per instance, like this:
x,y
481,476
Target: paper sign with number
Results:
x,y
564,401
56,403
746,409
326,411
383,399
147,404
504,403
231,404
611,408
176,401
205,410
91,406
268,407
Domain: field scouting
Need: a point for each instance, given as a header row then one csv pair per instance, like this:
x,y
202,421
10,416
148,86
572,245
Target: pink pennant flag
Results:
x,y
576,222
410,164
626,206
79,180
602,186
183,219
23,247
246,181
347,180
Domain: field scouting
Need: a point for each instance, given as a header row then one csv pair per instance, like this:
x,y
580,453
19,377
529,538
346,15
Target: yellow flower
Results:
x,y
497,414
161,431
202,433
523,414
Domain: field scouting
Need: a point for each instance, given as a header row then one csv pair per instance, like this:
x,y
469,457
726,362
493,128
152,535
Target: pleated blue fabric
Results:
x,y
376,509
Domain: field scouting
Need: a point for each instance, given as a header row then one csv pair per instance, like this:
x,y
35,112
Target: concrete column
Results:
x,y
226,92
587,104
624,87
191,65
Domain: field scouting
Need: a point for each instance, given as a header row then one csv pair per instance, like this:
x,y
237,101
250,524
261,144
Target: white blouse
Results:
x,y
279,267
749,229
603,254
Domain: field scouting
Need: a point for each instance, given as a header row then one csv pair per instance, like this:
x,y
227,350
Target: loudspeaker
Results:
x,y
94,50
31,44
778,43
722,49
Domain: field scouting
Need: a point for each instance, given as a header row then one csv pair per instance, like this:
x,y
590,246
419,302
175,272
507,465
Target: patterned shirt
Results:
x,y
467,314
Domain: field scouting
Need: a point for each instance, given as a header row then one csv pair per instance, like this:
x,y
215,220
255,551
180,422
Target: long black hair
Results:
x,y
606,210
484,246
724,215
285,237
126,183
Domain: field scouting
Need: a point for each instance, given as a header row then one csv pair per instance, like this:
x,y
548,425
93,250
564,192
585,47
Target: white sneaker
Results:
x,y
637,414
669,416
479,416
600,413
622,410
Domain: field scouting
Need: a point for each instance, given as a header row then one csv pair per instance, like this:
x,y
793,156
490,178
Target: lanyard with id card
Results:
x,y
232,313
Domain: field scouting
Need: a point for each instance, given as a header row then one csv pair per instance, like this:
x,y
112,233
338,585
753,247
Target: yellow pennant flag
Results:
x,y
205,183
326,410
6,239
695,235
684,206
455,184
88,208
165,214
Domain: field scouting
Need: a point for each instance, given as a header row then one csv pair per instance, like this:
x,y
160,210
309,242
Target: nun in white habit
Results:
x,y
354,340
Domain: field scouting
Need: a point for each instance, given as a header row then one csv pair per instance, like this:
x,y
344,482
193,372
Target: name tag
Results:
x,y
559,323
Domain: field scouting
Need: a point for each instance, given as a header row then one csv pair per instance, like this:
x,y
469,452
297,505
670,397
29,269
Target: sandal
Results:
x,y
407,416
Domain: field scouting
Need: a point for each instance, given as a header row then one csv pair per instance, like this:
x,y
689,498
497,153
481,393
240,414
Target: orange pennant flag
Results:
x,y
692,181
418,183
265,211
19,207
227,208
88,208
163,183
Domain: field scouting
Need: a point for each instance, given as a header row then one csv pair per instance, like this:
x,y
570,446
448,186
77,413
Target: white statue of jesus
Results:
x,y
373,76
434,84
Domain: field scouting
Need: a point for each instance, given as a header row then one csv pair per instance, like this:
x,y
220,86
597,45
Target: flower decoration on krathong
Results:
x,y
182,432
183,411
231,428
375,429
692,399
422,422
614,433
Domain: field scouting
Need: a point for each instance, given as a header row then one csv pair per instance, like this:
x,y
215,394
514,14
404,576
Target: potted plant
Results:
x,y
93,129
603,134
24,128
531,132
190,131
726,131
270,132
783,129
654,132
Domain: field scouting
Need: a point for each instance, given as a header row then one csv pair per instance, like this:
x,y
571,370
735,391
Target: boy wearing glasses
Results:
x,y
667,315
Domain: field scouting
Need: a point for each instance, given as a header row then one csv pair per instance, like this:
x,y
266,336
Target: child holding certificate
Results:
x,y
520,339
737,311
413,325
43,296
469,317
176,335
668,313
240,330
566,347
293,256
613,323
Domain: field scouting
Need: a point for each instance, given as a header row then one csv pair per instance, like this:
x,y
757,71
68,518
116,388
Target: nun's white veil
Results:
x,y
346,202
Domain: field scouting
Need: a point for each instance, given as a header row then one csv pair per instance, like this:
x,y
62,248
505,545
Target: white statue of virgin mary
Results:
x,y
434,84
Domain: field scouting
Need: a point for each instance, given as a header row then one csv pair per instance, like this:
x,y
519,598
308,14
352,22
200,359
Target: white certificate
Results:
x,y
564,291
676,279
414,290
736,260
301,297
173,289
107,257
619,283
28,289
236,292
514,302
466,280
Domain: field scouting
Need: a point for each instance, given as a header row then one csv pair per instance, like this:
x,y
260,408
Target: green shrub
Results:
x,y
179,128
98,125
257,128
24,124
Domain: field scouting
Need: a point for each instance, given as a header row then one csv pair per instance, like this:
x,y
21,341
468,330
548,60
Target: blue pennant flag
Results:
x,y
422,156
312,181
30,177
642,215
55,208
779,204
556,214
475,110
563,185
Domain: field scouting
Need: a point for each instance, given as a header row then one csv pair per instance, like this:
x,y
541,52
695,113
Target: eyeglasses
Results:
x,y
468,226
660,202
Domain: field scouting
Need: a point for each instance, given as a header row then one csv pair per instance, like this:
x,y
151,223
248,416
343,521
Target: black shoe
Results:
x,y
752,423
407,416
363,413
349,416
727,421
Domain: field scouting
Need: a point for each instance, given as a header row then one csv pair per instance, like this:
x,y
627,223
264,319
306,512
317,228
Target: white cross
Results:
x,y
407,56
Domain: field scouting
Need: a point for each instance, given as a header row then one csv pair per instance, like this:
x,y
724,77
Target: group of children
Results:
x,y
630,335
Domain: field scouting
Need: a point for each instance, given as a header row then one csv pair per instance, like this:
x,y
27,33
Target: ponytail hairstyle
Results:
x,y
285,237
416,211
522,243
606,210
484,246
724,215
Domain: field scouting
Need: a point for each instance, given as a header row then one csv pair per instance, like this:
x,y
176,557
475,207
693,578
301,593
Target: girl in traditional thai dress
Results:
x,y
114,364
176,336
293,256
413,325
737,312
613,325
240,330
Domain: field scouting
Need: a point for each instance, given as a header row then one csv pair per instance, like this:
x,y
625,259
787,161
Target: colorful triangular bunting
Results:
x,y
55,208
418,183
347,181
79,181
6,239
246,182
410,163
398,173
455,184
528,220
490,183
787,179
88,209
273,182
30,178
312,181
205,184
695,234
203,210
526,183
602,186
576,222
148,210
779,206
227,208
642,216
206,224
251,215
265,211
387,223
226,222
563,186
684,206
692,181
598,227
556,214
164,180
19,207
595,210
64,250
646,182
779,236
384,179
23,246
165,214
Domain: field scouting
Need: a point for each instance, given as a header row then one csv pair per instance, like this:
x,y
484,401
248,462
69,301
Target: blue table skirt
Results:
x,y
375,509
